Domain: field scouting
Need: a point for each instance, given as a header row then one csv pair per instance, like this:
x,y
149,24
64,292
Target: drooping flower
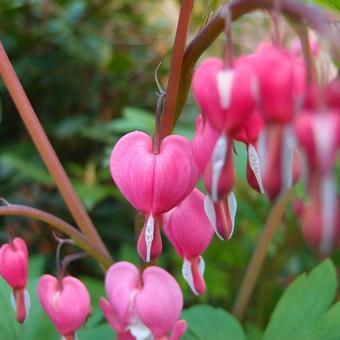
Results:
x,y
14,268
153,183
66,302
143,306
318,134
190,232
218,177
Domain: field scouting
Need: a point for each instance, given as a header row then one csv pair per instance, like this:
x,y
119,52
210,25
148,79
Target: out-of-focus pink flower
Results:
x,y
190,232
143,305
225,96
66,302
14,268
153,183
319,136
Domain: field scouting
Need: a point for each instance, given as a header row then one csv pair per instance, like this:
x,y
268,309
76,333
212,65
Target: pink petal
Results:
x,y
68,306
121,282
14,263
188,228
160,302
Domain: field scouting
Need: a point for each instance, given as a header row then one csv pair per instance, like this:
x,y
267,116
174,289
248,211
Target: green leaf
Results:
x,y
303,303
206,322
332,4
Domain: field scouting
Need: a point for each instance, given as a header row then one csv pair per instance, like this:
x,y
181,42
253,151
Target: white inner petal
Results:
x,y
262,150
27,300
13,302
254,162
218,161
149,232
328,206
139,330
288,146
324,134
211,214
224,87
201,265
187,275
232,207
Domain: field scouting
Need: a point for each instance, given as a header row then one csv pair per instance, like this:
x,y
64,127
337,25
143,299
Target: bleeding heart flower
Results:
x,y
66,302
143,305
13,268
225,96
153,183
277,87
190,232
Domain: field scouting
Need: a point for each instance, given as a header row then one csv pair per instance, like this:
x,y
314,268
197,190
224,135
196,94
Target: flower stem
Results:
x,y
259,255
47,152
60,225
176,67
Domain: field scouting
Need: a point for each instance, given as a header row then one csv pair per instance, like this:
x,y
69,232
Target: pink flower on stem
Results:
x,y
190,232
319,137
14,268
66,302
218,178
153,183
143,305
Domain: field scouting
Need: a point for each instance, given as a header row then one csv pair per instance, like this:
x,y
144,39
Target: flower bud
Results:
x,y
13,268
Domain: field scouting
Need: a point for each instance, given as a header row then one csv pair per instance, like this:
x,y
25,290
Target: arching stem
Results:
x,y
59,225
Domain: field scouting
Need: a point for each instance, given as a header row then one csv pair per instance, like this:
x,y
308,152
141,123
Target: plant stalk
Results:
x,y
59,225
47,152
176,67
256,263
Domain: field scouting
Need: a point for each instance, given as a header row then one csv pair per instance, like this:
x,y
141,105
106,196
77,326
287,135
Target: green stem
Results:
x,y
168,118
60,225
47,152
259,255
311,15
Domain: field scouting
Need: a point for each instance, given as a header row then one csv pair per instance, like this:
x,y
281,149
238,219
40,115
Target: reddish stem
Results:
x,y
176,67
47,152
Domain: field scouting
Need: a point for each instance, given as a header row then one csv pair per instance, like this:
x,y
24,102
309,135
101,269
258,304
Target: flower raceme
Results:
x,y
14,268
190,232
153,183
66,302
143,306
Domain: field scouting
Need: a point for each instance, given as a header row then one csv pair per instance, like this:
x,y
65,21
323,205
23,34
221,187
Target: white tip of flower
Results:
x,y
211,214
218,161
187,273
149,233
254,162
224,87
232,207
288,146
139,330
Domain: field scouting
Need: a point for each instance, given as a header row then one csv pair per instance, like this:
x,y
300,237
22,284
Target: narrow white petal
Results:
x,y
149,232
288,146
201,265
224,87
211,214
187,275
232,207
218,161
262,150
254,162
328,206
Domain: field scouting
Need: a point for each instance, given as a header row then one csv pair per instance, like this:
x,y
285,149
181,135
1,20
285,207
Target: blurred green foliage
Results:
x,y
88,68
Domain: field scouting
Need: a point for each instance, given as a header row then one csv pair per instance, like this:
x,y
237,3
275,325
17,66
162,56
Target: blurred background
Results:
x,y
89,70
